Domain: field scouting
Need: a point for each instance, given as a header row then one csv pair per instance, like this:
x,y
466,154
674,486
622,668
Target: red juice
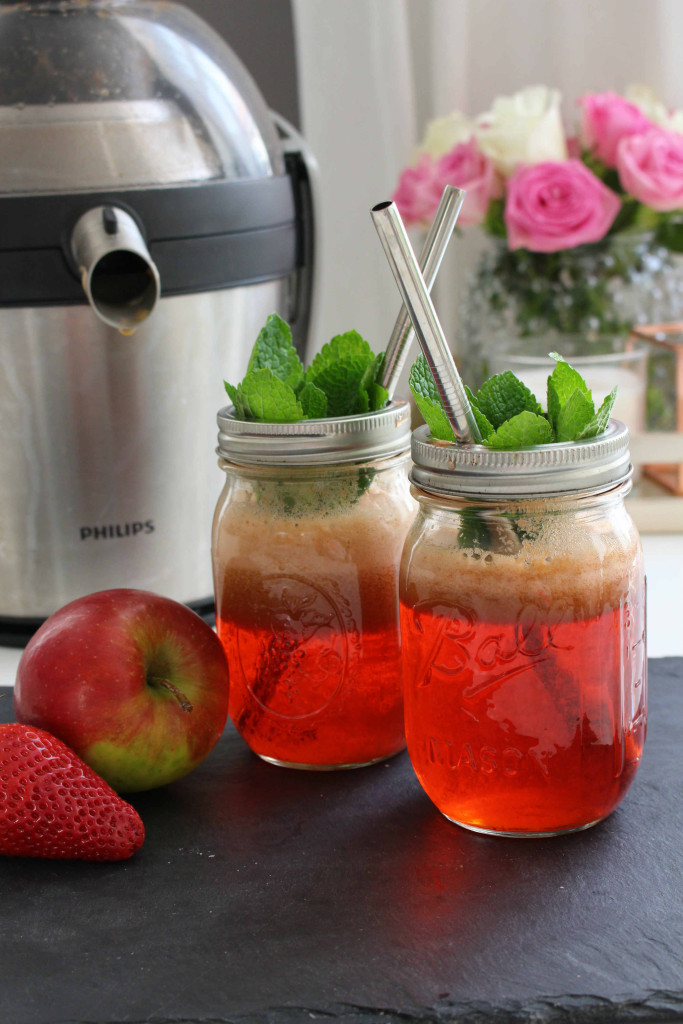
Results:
x,y
307,611
310,689
525,681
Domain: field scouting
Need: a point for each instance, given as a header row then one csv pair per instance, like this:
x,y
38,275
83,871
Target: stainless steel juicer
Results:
x,y
153,212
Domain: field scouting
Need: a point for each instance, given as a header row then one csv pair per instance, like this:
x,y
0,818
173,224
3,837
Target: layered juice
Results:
x,y
525,666
306,581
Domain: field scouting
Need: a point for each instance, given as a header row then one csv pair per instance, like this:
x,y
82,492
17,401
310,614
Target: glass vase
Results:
x,y
580,302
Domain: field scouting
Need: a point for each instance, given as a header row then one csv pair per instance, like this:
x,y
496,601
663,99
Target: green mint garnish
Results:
x,y
486,428
263,396
522,431
313,402
273,350
378,395
428,402
562,384
504,396
344,369
343,379
600,420
574,416
509,416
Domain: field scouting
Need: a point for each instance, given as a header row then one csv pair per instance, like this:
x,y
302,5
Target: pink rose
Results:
x,y
466,167
557,205
573,148
607,119
651,168
418,193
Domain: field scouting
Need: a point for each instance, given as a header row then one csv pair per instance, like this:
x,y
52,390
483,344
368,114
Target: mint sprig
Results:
x,y
509,416
342,380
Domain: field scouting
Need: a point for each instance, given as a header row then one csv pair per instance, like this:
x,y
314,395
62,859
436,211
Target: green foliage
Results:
x,y
509,415
427,400
572,292
669,232
503,396
599,422
313,401
343,379
263,396
523,430
494,220
486,428
273,350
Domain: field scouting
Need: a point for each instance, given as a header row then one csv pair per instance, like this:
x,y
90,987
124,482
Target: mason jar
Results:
x,y
523,629
307,541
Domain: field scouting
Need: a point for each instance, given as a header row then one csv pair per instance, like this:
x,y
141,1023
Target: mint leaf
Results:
x,y
273,350
574,415
427,400
504,396
263,396
342,346
521,431
341,382
379,396
236,399
313,402
485,426
562,384
600,420
344,369
362,403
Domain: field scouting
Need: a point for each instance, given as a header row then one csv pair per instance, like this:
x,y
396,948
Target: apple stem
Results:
x,y
185,704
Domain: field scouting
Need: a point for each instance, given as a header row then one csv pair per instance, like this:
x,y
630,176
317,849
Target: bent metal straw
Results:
x,y
392,234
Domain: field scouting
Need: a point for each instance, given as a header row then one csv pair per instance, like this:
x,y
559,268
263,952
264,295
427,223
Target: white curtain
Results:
x,y
358,116
373,72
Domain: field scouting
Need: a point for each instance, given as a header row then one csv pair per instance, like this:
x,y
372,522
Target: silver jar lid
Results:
x,y
367,436
474,471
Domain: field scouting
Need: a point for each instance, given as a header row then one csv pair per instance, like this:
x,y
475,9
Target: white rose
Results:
x,y
443,133
523,128
646,99
674,121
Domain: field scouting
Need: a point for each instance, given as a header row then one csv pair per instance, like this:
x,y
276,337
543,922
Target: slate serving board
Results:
x,y
269,896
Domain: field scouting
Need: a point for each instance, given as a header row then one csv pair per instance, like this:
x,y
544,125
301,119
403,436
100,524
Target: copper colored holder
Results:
x,y
669,476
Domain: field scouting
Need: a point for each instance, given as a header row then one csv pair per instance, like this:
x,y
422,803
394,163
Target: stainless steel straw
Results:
x,y
411,284
436,242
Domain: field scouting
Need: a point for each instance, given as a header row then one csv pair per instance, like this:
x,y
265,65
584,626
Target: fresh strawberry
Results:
x,y
53,805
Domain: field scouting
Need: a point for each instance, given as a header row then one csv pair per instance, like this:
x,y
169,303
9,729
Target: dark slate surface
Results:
x,y
270,896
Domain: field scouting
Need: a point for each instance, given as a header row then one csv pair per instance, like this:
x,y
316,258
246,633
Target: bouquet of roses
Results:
x,y
543,191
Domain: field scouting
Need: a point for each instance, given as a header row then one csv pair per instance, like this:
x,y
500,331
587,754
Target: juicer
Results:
x,y
153,212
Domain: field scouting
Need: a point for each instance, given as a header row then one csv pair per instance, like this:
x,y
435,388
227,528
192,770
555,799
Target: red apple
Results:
x,y
135,683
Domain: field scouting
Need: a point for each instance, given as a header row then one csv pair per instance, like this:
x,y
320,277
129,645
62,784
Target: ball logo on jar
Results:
x,y
491,656
305,639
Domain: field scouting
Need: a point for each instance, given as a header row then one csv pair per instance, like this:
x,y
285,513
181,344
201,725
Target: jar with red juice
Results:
x,y
306,547
523,630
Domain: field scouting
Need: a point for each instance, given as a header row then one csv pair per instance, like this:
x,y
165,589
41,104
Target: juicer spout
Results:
x,y
117,272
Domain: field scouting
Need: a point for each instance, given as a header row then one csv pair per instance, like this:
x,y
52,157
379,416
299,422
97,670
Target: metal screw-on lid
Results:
x,y
367,436
474,471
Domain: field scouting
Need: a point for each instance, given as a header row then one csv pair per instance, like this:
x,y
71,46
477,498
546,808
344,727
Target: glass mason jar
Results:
x,y
523,632
307,542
